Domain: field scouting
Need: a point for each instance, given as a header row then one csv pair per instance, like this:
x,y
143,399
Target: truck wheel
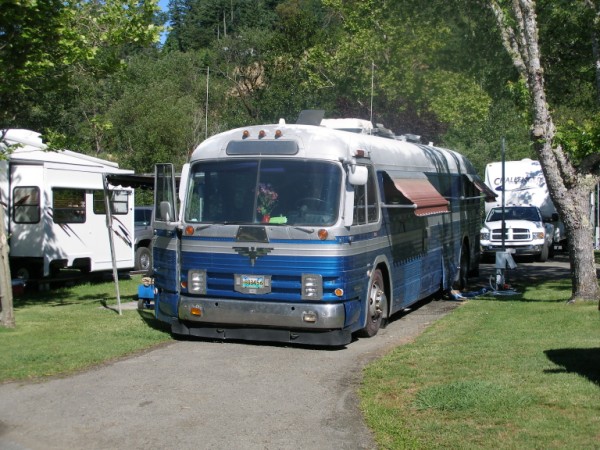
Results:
x,y
376,307
143,259
543,256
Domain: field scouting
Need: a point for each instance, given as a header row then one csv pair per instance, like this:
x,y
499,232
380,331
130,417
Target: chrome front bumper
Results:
x,y
262,313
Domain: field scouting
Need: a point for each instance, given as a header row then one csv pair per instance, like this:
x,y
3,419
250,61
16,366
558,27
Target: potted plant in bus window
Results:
x,y
266,200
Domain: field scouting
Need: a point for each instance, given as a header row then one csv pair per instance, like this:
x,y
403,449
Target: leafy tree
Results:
x,y
570,178
197,24
43,44
160,115
33,41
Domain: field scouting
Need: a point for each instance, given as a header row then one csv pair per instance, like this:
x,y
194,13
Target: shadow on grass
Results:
x,y
582,361
152,322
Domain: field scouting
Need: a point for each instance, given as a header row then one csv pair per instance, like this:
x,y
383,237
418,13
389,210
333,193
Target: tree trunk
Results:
x,y
569,189
7,318
581,253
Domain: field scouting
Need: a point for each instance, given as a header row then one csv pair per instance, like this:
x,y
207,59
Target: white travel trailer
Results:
x,y
524,185
55,213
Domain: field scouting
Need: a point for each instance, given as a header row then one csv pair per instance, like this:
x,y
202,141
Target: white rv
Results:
x,y
524,185
55,214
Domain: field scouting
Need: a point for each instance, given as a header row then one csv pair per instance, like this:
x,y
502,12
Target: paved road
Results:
x,y
201,394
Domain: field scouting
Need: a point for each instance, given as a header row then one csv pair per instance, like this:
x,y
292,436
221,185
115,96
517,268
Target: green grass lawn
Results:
x,y
510,372
516,372
69,329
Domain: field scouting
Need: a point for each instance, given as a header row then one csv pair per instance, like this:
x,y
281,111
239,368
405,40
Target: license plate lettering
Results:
x,y
253,282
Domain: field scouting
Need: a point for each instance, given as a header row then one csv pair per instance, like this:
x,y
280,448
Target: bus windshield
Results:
x,y
274,191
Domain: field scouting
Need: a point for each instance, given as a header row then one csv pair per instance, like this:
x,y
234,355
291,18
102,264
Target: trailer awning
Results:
x,y
488,194
136,181
422,194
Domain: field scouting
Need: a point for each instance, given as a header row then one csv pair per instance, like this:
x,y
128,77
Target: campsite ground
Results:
x,y
201,394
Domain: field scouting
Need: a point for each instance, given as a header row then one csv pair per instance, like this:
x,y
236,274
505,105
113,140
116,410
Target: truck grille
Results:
x,y
512,234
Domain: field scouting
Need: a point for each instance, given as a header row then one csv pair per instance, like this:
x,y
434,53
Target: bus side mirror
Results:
x,y
166,212
357,175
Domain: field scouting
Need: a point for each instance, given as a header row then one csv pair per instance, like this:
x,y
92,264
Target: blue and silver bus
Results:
x,y
308,234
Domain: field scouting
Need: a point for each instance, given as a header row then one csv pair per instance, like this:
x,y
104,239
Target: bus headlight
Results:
x,y
312,287
197,281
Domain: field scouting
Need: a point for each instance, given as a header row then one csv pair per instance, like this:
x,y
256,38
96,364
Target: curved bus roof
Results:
x,y
317,142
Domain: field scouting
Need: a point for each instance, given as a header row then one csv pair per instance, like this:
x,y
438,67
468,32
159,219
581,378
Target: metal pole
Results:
x,y
503,197
501,258
110,239
206,106
372,87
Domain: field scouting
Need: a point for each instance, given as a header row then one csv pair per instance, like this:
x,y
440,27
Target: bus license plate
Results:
x,y
252,284
253,281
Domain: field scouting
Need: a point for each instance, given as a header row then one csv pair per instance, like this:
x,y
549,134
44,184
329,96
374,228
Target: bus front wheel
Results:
x,y
376,305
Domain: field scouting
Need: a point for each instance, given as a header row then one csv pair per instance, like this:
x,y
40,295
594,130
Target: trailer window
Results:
x,y
68,205
118,202
26,204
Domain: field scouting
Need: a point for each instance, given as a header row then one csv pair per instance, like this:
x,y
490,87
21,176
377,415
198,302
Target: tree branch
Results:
x,y
509,40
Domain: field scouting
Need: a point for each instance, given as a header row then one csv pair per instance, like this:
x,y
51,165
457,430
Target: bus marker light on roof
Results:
x,y
245,134
278,134
323,234
189,230
359,153
262,134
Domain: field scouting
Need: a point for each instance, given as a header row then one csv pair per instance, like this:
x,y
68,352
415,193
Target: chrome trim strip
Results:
x,y
262,313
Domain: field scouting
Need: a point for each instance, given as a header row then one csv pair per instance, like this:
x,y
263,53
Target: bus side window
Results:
x,y
366,207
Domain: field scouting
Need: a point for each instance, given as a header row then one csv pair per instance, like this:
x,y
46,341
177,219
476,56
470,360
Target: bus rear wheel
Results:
x,y
376,305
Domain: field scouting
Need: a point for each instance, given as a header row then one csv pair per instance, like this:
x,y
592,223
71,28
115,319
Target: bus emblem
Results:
x,y
252,252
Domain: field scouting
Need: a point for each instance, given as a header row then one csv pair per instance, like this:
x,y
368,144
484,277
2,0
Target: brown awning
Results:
x,y
489,194
422,194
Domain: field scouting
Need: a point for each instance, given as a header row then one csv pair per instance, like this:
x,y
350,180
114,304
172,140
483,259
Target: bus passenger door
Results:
x,y
166,247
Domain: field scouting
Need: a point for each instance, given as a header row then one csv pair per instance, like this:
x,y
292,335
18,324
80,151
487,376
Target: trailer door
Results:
x,y
166,248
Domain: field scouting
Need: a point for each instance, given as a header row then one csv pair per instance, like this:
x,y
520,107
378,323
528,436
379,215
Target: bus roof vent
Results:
x,y
415,138
359,126
310,117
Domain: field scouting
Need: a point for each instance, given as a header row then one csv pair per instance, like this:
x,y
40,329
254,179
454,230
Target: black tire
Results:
x,y
143,259
376,307
27,272
543,256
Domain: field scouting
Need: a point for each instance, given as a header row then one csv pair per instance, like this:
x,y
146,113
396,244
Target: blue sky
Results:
x,y
164,6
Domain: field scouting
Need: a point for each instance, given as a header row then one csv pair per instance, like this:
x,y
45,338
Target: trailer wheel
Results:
x,y
143,259
28,272
377,304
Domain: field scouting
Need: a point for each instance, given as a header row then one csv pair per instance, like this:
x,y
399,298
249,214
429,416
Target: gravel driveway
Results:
x,y
202,394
